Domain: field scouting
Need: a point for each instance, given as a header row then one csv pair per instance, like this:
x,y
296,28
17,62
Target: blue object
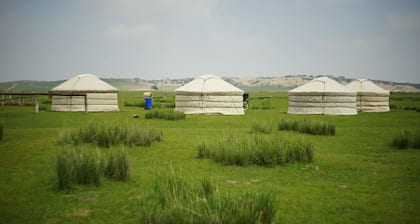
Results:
x,y
148,103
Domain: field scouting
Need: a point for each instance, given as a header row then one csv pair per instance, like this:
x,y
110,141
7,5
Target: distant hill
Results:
x,y
275,83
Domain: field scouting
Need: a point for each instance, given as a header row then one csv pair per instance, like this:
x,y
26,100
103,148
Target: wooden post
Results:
x,y
36,104
20,100
86,106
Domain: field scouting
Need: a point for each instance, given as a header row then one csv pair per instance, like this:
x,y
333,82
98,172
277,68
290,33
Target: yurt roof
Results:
x,y
208,84
322,85
365,86
84,83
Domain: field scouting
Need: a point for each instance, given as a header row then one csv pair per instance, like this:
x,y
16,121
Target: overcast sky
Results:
x,y
155,39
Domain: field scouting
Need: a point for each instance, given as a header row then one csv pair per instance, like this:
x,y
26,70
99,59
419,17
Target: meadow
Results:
x,y
355,176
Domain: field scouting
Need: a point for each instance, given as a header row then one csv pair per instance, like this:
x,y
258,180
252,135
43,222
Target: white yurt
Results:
x,y
209,94
322,96
370,97
100,95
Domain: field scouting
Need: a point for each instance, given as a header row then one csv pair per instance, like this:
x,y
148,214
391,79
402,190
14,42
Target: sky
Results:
x,y
50,40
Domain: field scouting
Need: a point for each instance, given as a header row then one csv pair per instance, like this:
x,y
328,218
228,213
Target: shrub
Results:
x,y
256,151
264,128
165,114
307,126
405,139
172,199
107,135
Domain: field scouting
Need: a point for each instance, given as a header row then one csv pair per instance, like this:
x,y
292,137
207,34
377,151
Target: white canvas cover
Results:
x,y
100,95
322,96
209,94
370,97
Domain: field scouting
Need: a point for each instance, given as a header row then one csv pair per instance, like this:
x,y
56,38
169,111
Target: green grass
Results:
x,y
307,126
356,176
256,150
165,114
107,135
174,199
405,139
264,128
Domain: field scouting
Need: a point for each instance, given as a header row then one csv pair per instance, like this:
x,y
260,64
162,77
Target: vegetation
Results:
x,y
307,126
76,167
83,167
405,139
264,128
1,131
165,114
107,135
118,166
172,199
260,151
367,178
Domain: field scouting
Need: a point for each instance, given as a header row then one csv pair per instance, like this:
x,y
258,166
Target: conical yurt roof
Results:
x,y
322,85
366,86
84,83
209,84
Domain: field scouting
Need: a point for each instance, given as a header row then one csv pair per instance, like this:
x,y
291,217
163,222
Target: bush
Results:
x,y
107,135
256,151
307,126
171,199
264,128
405,139
165,114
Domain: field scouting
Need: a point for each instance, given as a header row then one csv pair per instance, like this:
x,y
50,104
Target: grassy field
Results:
x,y
356,175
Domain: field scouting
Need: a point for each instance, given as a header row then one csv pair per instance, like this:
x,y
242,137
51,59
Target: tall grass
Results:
x,y
165,114
405,139
307,126
264,128
1,131
118,167
82,167
77,166
257,150
107,135
172,199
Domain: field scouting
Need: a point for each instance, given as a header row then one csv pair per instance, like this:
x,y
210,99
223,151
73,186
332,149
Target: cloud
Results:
x,y
407,22
128,32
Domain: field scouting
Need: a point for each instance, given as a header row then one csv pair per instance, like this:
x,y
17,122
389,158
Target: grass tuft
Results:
x,y
81,167
165,114
405,139
1,131
107,135
118,167
77,166
172,199
256,151
307,126
264,128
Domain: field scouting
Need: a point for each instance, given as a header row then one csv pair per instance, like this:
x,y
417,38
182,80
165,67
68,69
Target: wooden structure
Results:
x,y
35,95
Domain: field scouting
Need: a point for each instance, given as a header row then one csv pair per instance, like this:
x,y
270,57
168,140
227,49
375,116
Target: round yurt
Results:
x,y
209,94
370,97
100,96
322,96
